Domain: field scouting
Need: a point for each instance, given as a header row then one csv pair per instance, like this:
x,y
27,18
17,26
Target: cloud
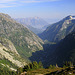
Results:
x,y
30,1
6,1
6,6
3,6
13,3
37,1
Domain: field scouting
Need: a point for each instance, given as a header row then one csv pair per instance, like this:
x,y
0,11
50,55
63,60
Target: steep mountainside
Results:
x,y
35,24
59,30
23,39
65,50
9,57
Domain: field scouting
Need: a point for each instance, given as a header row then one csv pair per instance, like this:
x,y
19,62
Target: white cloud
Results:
x,y
4,6
13,3
6,1
30,1
36,1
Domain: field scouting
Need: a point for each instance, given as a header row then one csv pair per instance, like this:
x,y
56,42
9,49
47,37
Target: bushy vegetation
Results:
x,y
5,71
37,68
33,66
52,66
30,67
68,64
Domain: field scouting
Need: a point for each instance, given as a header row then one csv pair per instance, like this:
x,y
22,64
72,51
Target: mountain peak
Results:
x,y
36,17
73,17
70,17
35,22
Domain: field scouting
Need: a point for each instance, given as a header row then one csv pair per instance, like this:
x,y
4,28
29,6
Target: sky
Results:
x,y
49,10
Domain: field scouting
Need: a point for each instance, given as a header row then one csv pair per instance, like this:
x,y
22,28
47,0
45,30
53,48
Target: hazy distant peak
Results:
x,y
35,22
37,18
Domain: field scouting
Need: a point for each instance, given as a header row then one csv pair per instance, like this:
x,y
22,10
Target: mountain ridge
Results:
x,y
35,22
59,30
24,41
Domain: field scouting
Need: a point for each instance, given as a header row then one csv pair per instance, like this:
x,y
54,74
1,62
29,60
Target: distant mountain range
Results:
x,y
35,24
59,30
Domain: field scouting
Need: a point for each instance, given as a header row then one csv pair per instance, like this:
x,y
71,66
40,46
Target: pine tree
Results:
x,y
56,66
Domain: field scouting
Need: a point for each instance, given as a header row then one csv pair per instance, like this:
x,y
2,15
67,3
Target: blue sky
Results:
x,y
50,10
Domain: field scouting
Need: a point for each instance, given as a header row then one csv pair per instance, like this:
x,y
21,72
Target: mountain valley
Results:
x,y
58,51
20,47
